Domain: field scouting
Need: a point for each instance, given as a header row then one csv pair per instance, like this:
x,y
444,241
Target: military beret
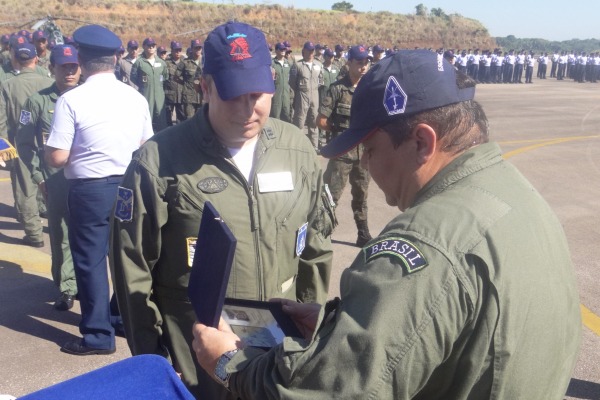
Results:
x,y
96,40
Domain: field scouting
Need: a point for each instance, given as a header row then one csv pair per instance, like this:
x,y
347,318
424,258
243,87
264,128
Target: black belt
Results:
x,y
104,178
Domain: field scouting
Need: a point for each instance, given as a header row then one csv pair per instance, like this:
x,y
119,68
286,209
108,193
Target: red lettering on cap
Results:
x,y
67,51
20,40
239,49
361,48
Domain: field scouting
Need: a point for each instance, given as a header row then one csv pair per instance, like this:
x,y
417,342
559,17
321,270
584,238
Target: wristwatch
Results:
x,y
220,372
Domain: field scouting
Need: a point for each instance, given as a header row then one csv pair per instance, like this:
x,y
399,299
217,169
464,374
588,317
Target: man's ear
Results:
x,y
426,140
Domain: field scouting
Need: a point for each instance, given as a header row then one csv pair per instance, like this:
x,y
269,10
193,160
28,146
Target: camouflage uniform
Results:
x,y
336,107
281,104
44,62
187,73
173,93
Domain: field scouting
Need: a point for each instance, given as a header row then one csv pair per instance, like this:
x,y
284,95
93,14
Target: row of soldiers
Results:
x,y
508,67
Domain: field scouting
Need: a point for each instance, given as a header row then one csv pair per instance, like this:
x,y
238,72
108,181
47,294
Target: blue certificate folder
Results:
x,y
211,267
258,323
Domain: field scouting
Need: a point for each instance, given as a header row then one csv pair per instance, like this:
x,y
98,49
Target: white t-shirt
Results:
x,y
101,123
243,157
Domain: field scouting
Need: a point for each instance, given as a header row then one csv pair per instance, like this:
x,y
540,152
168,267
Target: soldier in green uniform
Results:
x,y
261,175
334,117
31,137
174,89
13,94
126,63
40,41
5,50
149,73
281,106
469,293
186,76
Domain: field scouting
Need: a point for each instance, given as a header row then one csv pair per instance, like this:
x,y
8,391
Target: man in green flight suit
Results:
x,y
149,72
281,106
186,75
14,93
31,138
262,176
469,293
174,89
334,118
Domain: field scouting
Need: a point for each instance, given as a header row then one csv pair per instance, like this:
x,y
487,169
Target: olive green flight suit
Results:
x,y
305,79
281,105
336,107
470,293
187,74
149,76
173,93
30,139
13,95
169,180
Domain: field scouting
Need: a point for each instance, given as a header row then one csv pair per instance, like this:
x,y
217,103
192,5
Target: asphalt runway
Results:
x,y
549,129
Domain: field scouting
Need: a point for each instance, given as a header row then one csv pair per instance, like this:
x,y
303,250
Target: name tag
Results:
x,y
157,65
275,182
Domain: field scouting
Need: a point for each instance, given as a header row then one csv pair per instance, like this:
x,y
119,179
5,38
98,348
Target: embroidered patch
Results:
x,y
191,249
394,98
239,47
124,206
212,185
397,247
25,117
301,239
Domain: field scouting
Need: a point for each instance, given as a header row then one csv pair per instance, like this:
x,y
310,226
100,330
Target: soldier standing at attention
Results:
x,y
281,106
31,138
40,41
186,76
14,92
149,74
334,117
174,89
305,78
126,63
262,176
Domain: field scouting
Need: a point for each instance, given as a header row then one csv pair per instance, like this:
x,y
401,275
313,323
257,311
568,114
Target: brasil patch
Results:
x,y
411,256
124,206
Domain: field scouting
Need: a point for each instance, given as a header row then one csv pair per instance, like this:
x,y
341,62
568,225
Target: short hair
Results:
x,y
458,126
94,63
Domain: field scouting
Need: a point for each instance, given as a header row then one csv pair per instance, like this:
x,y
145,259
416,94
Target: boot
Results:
x,y
363,233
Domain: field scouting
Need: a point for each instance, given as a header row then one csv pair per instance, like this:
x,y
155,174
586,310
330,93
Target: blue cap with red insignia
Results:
x,y
237,56
63,54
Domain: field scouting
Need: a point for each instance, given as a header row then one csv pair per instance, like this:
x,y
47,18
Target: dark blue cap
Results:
x,y
63,54
132,44
309,46
149,42
358,53
287,44
121,50
378,49
161,49
406,83
23,32
195,43
236,55
4,39
96,41
176,45
38,35
280,46
68,40
339,47
328,53
24,50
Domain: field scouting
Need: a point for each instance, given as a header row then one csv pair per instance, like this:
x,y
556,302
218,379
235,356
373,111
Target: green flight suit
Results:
x,y
173,93
30,139
188,72
305,79
281,106
13,95
336,107
169,180
468,294
148,76
330,76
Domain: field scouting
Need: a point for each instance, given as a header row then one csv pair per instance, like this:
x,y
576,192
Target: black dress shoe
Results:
x,y
32,243
64,302
75,347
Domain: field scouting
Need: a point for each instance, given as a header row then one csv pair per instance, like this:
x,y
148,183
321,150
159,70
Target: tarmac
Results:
x,y
549,129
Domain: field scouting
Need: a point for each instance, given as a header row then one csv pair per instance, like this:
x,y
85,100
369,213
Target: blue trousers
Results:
x,y
91,202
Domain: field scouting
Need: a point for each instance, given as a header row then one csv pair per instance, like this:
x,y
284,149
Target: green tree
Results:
x,y
342,6
438,12
421,10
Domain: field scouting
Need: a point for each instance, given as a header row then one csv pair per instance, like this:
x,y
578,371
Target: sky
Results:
x,y
548,19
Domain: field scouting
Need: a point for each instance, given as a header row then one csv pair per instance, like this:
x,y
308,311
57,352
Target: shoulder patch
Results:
x,y
124,206
25,117
411,256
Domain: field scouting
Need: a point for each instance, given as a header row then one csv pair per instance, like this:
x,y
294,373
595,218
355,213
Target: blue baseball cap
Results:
x,y
280,46
38,35
63,54
195,43
149,42
133,44
406,83
237,56
378,49
309,46
176,45
328,53
339,47
358,53
96,41
24,50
